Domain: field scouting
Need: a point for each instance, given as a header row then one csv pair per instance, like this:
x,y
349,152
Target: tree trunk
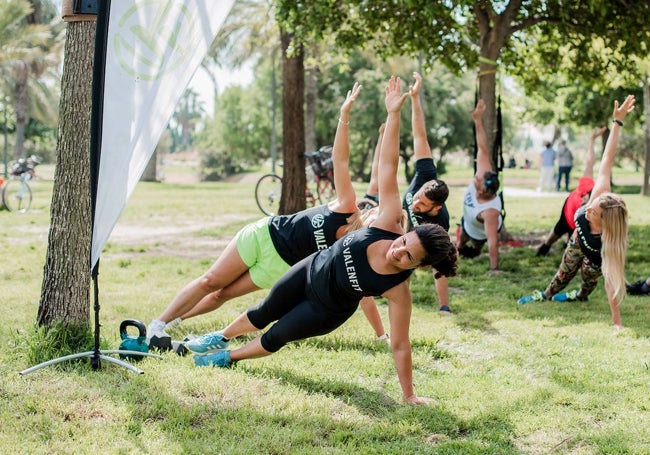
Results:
x,y
65,295
293,129
645,190
150,172
21,105
311,95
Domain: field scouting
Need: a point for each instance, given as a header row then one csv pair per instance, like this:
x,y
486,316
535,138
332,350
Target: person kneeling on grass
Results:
x,y
599,243
320,293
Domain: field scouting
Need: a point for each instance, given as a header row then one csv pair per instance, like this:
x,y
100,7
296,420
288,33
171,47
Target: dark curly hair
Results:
x,y
436,191
441,252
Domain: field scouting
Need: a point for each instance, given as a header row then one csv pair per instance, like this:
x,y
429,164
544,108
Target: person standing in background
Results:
x,y
564,163
546,167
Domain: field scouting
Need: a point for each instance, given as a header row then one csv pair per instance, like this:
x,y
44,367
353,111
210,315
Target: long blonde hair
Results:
x,y
614,242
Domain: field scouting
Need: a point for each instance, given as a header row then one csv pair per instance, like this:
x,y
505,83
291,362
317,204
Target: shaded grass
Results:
x,y
508,379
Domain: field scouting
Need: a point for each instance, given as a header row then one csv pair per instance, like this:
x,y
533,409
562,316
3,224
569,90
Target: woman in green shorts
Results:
x,y
262,251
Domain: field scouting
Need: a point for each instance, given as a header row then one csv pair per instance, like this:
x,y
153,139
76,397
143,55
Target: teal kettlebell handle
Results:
x,y
142,329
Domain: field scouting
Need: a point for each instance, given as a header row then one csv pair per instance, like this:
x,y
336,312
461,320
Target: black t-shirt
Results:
x,y
298,235
425,170
341,275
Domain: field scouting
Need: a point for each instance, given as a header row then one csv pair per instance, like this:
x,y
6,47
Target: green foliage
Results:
x,y
56,341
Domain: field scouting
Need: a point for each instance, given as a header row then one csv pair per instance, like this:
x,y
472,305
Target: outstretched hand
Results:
x,y
414,90
394,97
477,113
621,111
350,98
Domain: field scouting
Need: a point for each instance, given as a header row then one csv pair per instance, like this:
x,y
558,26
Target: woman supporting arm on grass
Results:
x,y
261,252
599,243
321,292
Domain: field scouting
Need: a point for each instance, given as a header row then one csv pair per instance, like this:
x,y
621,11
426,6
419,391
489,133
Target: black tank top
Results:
x,y
342,274
590,244
297,236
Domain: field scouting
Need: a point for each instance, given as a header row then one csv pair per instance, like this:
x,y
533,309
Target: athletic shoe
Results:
x,y
161,341
155,327
543,249
636,288
173,324
537,296
208,343
444,310
385,338
216,359
571,296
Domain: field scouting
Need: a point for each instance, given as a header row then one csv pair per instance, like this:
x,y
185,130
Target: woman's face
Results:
x,y
406,252
594,211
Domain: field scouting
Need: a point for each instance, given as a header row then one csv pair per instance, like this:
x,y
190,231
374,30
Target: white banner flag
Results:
x,y
153,49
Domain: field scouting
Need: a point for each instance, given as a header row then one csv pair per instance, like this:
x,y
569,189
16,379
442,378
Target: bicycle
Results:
x,y
319,170
16,192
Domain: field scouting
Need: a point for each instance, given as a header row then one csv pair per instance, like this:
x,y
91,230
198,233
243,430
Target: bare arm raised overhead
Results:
x,y
603,180
390,205
483,163
345,196
420,143
590,159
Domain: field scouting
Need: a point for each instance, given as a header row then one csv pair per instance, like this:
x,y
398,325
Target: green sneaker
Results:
x,y
537,296
208,343
571,296
217,359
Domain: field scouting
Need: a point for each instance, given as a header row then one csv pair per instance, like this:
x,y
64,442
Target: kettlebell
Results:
x,y
131,343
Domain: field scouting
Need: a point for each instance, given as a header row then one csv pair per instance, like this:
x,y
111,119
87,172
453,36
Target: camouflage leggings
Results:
x,y
573,260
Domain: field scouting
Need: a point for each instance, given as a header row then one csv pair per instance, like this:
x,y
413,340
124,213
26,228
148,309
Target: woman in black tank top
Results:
x,y
321,292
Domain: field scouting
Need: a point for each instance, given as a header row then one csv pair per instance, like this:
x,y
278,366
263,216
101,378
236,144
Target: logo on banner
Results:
x,y
154,38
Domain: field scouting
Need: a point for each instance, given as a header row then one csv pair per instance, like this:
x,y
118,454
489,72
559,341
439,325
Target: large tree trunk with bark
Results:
x,y
311,95
293,129
65,295
150,173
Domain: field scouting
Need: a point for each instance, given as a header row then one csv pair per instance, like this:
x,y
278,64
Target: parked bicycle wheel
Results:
x,y
325,189
17,196
268,191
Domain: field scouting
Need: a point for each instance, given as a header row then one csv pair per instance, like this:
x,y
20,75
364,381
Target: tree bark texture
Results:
x,y
293,129
311,95
150,173
65,295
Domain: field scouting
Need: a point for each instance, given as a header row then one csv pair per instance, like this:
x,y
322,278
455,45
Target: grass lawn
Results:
x,y
507,379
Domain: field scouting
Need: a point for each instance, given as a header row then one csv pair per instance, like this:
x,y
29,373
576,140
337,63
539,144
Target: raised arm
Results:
x,y
420,143
390,205
373,185
345,195
602,184
483,163
590,159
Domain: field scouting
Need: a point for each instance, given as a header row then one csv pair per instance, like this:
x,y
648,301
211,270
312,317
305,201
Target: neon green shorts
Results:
x,y
256,249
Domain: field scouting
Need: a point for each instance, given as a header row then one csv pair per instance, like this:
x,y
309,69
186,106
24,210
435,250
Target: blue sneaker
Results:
x,y
208,343
571,296
217,359
537,296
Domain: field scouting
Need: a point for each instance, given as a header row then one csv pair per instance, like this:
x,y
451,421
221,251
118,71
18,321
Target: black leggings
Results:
x,y
562,226
298,314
